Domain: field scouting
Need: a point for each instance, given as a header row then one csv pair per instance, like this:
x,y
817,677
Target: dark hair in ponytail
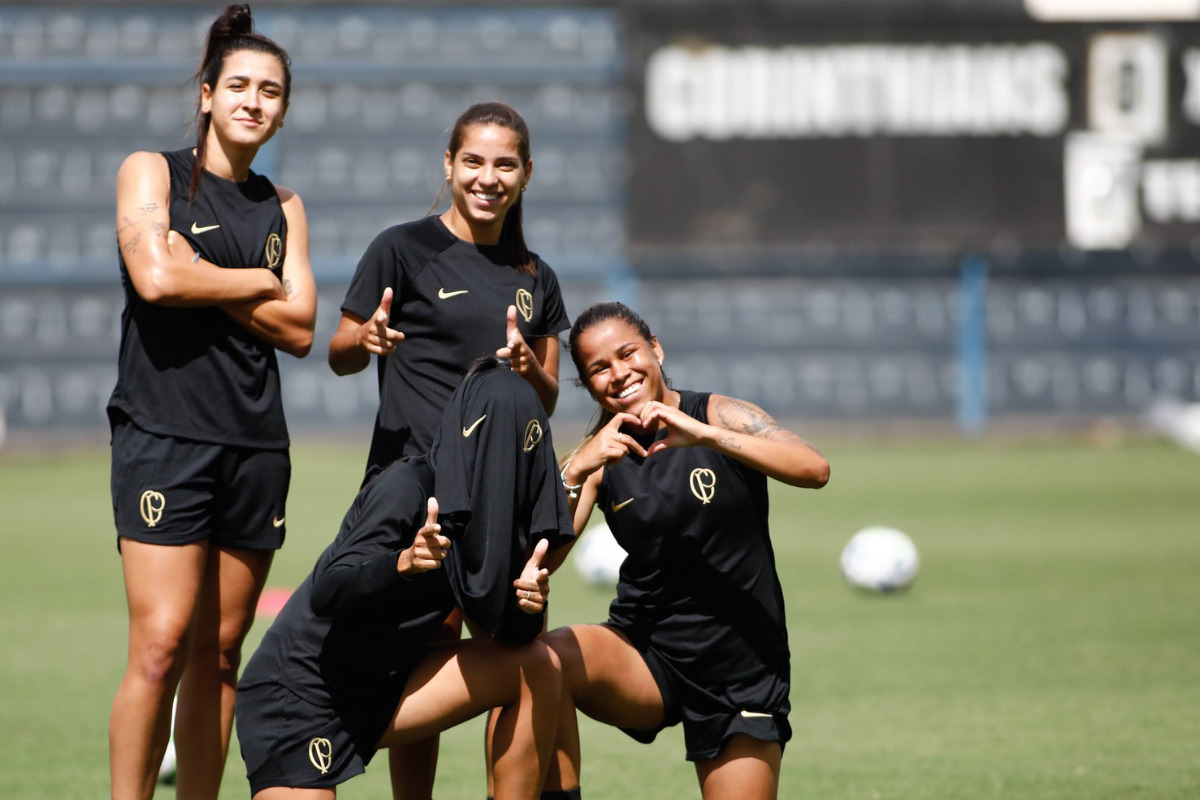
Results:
x,y
512,234
591,316
231,32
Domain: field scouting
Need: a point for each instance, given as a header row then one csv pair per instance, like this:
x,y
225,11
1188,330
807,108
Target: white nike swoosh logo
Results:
x,y
278,522
468,431
753,714
197,229
443,294
619,506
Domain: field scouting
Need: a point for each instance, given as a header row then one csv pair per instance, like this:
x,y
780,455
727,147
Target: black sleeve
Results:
x,y
554,311
378,269
358,571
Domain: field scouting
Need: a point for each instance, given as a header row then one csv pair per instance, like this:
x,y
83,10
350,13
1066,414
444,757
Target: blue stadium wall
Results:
x,y
815,245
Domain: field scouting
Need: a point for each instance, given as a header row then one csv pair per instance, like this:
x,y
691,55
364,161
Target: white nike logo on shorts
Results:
x,y
198,229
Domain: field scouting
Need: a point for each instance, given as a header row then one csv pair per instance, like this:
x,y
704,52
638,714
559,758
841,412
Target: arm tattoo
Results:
x,y
738,415
729,442
148,208
131,246
287,287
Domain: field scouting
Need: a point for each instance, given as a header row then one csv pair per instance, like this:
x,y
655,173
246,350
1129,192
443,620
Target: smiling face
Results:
x,y
619,367
486,176
247,103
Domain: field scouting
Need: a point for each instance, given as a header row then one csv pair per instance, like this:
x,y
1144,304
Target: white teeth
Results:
x,y
630,390
487,195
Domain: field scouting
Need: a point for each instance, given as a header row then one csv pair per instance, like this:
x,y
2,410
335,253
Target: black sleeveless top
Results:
x,y
194,373
699,584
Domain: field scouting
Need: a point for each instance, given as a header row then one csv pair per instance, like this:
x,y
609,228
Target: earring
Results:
x,y
523,188
660,362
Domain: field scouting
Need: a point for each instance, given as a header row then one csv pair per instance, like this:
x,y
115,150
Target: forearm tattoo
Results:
x,y
287,287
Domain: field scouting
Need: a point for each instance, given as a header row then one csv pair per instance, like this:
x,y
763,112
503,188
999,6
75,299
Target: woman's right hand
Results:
x,y
182,249
374,335
607,446
429,547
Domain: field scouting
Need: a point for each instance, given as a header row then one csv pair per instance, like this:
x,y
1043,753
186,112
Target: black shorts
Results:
x,y
175,491
287,741
709,718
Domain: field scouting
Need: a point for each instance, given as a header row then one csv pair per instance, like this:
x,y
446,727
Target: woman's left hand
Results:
x,y
533,587
683,430
515,349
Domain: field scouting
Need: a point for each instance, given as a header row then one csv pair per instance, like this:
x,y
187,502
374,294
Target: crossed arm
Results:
x,y
163,272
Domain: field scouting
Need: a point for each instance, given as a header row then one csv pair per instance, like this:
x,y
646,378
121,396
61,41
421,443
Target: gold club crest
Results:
x,y
151,506
533,435
525,304
320,753
273,250
704,483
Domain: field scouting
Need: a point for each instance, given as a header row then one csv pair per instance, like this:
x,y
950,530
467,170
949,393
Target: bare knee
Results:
x,y
568,653
156,655
223,651
541,667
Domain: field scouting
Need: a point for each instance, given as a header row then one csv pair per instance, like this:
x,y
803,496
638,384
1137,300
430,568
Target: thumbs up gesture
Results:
x,y
429,547
533,587
515,349
374,334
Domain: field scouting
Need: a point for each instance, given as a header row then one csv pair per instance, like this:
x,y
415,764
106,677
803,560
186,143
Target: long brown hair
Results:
x,y
512,234
231,32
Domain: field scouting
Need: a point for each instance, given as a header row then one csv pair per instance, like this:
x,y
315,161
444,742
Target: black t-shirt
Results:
x,y
194,373
699,584
354,628
449,300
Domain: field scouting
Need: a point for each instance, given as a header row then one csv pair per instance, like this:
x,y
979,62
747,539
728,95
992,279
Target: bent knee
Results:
x,y
541,664
565,646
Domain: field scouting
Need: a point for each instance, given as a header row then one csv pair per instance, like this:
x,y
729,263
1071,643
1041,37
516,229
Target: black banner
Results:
x,y
912,137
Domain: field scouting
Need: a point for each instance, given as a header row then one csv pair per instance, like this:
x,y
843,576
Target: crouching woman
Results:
x,y
346,668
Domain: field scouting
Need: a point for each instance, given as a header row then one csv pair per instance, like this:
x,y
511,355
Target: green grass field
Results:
x,y
1050,647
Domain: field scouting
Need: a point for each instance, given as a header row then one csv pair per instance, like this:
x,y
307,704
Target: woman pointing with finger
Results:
x,y
430,295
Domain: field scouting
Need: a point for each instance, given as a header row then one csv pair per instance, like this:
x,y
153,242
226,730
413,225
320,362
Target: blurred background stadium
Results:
x,y
949,216
946,211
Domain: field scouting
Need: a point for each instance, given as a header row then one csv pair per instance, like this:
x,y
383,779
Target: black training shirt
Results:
x,y
194,373
449,300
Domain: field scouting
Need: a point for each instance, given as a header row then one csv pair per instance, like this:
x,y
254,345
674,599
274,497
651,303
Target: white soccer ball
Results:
x,y
880,559
597,556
